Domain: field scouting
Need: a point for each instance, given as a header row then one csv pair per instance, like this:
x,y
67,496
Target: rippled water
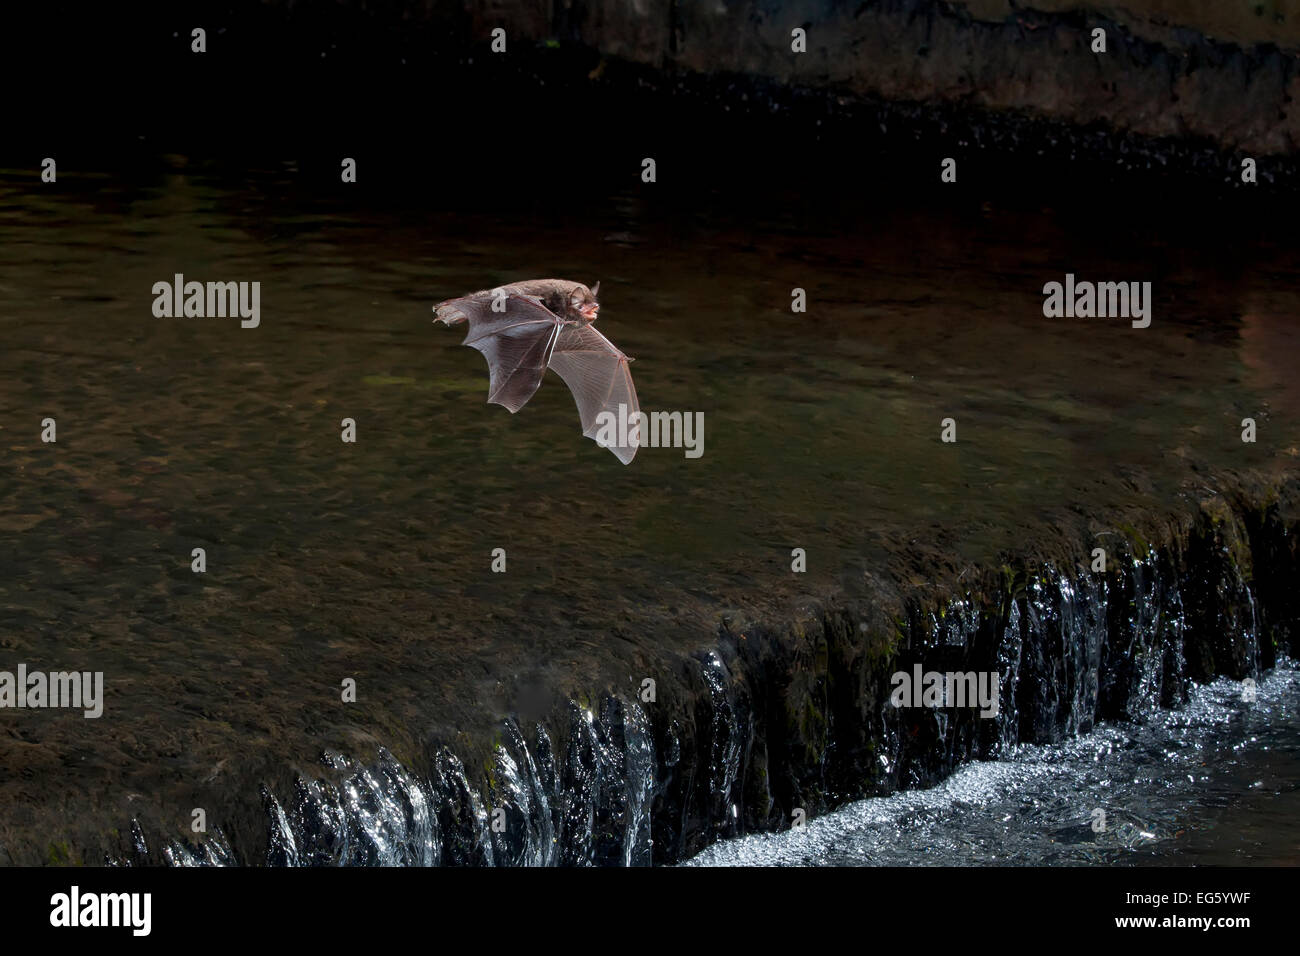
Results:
x,y
1216,782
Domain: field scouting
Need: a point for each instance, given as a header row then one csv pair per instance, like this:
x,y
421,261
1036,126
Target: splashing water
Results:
x,y
1217,782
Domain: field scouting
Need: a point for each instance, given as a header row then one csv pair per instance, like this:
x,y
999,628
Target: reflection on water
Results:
x,y
1217,782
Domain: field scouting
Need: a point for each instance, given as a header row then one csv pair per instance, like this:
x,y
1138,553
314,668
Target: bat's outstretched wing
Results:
x,y
597,374
516,342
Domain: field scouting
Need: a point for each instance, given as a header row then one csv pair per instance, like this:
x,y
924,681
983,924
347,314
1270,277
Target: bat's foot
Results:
x,y
448,314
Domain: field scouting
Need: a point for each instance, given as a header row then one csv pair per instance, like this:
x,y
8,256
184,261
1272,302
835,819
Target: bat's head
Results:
x,y
582,302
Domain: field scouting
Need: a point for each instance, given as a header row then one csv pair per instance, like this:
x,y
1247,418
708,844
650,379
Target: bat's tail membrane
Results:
x,y
597,374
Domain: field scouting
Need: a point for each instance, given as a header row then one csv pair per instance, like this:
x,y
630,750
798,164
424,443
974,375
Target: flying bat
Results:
x,y
524,328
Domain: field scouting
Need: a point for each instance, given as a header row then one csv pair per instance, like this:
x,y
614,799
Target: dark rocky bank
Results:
x,y
1183,94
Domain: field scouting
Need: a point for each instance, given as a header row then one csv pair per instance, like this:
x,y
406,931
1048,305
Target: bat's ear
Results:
x,y
595,290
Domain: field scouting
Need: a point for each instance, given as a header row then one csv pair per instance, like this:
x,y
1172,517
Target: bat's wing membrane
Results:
x,y
516,343
597,374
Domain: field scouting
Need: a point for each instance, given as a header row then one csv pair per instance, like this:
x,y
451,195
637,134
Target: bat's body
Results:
x,y
525,328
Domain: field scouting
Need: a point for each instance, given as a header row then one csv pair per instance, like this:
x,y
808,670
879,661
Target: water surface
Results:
x,y
371,561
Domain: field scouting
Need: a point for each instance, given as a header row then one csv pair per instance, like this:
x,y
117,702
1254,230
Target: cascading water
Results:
x,y
1147,793
1070,652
